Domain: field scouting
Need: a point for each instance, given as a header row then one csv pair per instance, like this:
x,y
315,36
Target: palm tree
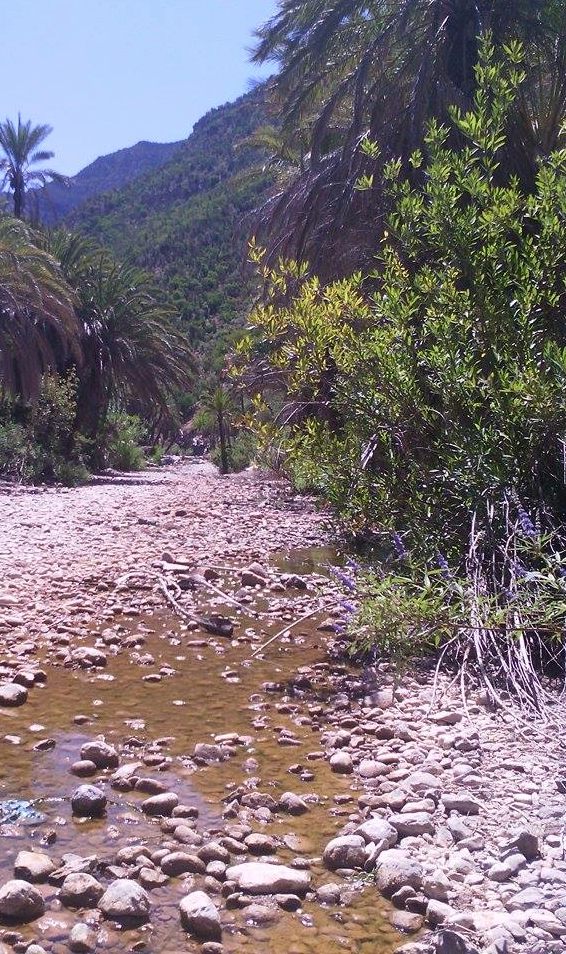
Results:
x,y
38,325
132,351
21,147
218,404
383,69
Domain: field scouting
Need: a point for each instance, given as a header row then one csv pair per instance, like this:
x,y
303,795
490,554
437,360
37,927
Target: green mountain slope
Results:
x,y
188,221
104,174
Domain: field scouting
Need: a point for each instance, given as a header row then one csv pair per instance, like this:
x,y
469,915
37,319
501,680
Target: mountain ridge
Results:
x,y
186,221
104,174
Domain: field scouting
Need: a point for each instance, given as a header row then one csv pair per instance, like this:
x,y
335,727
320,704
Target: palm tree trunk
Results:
x,y
224,465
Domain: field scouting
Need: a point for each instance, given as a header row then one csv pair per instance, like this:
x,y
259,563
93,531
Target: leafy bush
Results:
x,y
435,408
39,442
123,438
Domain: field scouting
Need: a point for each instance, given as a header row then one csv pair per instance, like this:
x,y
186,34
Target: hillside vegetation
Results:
x,y
106,173
186,222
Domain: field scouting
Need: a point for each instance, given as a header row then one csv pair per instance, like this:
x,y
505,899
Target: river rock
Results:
x,y
83,768
20,901
12,695
161,804
33,866
523,842
449,942
180,862
88,801
341,763
395,869
464,803
346,851
82,940
125,900
412,824
200,917
260,877
379,832
89,657
80,890
293,804
508,868
103,755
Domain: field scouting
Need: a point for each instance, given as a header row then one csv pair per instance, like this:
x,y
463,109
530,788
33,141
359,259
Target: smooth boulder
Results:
x,y
395,870
260,877
12,695
88,801
20,902
125,900
200,917
346,851
33,866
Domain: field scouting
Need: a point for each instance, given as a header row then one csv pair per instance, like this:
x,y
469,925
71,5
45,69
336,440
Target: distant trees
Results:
x,y
21,147
131,350
82,332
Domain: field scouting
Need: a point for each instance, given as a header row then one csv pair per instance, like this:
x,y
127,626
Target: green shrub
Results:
x,y
39,442
434,409
122,442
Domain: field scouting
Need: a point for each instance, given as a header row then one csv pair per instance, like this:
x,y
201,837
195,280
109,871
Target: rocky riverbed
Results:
x,y
168,784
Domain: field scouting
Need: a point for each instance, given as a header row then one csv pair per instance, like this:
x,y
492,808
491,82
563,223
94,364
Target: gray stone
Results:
x,y
82,939
329,894
33,866
260,877
437,885
180,862
160,805
346,851
449,942
80,890
12,695
103,755
508,868
341,763
200,917
412,824
125,900
395,869
293,804
379,832
20,901
525,843
88,802
464,803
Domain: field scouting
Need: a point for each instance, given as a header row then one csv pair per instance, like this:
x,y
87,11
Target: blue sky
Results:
x,y
107,73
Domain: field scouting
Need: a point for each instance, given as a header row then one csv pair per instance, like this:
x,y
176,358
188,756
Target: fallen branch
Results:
x,y
287,629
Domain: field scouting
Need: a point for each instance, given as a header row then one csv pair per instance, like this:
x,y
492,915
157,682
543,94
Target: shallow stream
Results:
x,y
215,688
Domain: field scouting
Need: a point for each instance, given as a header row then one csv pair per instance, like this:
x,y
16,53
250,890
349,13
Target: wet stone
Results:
x,y
125,900
20,902
200,917
80,890
33,866
89,802
12,695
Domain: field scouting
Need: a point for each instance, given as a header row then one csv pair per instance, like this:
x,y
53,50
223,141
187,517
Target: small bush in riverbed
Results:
x,y
123,438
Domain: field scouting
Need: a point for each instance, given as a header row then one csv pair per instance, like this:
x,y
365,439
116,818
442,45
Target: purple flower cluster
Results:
x,y
398,546
443,565
527,525
346,576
